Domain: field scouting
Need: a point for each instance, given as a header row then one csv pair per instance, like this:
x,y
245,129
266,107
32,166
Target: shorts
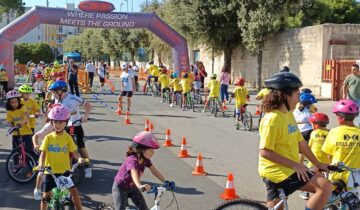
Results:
x,y
163,90
79,133
289,185
127,93
178,92
136,78
41,95
186,94
102,80
306,135
49,182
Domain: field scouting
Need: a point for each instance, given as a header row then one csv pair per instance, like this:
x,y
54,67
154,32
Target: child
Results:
x,y
164,81
175,84
261,96
17,114
186,88
342,142
197,84
3,77
241,94
317,138
127,182
302,114
39,86
30,104
55,153
214,87
306,91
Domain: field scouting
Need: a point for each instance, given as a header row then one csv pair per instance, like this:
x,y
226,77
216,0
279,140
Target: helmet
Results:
x,y
285,69
345,106
307,98
39,76
59,112
213,76
146,139
61,74
2,67
305,90
25,89
124,65
42,62
186,75
58,85
240,81
319,117
54,74
175,74
12,94
164,70
60,79
283,81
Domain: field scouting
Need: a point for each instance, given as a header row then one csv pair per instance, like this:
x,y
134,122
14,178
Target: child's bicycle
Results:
x,y
61,198
167,96
245,118
341,199
2,92
189,102
20,161
214,106
41,102
158,192
151,86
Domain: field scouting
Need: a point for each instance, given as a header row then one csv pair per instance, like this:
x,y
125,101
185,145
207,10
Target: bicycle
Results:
x,y
157,191
214,106
341,199
20,161
61,198
2,92
41,102
189,102
167,96
245,118
152,87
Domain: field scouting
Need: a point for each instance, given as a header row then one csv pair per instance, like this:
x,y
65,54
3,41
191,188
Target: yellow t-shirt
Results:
x,y
164,81
175,84
32,108
312,108
343,144
263,92
214,87
15,117
317,139
3,76
49,83
240,96
57,148
185,85
280,134
47,72
154,71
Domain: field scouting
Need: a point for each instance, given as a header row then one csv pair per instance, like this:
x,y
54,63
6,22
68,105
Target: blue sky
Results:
x,y
61,3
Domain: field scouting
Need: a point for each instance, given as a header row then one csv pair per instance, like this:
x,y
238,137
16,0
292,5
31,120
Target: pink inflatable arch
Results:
x,y
56,16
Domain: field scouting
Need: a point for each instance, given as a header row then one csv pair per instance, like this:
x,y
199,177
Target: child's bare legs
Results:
x,y
39,180
46,199
76,198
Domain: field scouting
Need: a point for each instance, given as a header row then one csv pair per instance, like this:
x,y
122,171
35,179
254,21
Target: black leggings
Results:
x,y
79,133
120,198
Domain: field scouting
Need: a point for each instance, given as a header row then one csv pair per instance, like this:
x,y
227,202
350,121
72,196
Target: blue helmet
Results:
x,y
305,90
307,98
175,75
58,85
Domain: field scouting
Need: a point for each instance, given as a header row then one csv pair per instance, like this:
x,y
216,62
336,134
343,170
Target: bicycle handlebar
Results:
x,y
12,129
49,170
341,167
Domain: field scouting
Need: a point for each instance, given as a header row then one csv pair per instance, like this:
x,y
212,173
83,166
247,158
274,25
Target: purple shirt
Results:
x,y
123,176
224,78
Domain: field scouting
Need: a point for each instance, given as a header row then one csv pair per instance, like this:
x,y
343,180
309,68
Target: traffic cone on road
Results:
x,y
257,112
224,106
229,192
147,125
118,111
199,168
151,128
127,118
167,142
183,151
112,88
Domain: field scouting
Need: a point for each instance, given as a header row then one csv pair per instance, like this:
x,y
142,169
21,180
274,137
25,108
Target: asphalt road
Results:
x,y
107,137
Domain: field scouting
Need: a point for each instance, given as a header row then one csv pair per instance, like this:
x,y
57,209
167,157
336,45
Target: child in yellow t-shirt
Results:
x,y
30,104
312,107
3,78
17,114
241,94
214,87
176,87
342,143
56,150
164,82
186,88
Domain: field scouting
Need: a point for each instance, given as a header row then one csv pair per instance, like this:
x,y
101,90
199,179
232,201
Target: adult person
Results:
x,y
202,73
224,81
90,69
101,73
351,88
127,86
73,103
280,145
73,78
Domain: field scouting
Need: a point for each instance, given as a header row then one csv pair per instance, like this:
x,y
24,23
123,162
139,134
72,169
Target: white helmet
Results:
x,y
124,65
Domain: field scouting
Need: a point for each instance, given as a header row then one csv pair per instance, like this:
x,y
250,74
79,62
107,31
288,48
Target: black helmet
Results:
x,y
283,81
285,69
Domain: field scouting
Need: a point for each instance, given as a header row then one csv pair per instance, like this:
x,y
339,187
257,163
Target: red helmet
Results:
x,y
39,76
61,74
240,81
60,79
54,74
319,117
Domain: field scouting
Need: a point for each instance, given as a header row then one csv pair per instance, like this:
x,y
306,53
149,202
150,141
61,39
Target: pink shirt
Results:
x,y
224,78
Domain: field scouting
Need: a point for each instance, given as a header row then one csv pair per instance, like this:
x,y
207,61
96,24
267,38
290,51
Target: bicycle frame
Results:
x,y
159,192
20,145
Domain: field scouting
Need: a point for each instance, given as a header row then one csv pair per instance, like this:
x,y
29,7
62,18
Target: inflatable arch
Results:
x,y
92,19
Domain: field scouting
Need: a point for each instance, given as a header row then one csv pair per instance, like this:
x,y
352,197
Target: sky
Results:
x,y
61,3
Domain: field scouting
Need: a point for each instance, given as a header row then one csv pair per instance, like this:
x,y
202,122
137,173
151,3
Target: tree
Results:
x,y
7,6
35,52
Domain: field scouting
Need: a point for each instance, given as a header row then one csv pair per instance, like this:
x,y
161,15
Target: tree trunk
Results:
x,y
227,58
159,58
133,56
259,71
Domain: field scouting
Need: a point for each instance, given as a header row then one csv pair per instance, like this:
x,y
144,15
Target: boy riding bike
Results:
x,y
176,87
164,81
281,143
342,143
154,72
186,88
241,94
39,86
30,104
214,87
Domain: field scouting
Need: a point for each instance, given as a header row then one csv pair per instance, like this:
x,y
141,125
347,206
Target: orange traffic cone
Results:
x,y
183,151
127,118
147,125
167,142
199,168
151,128
229,192
257,112
118,111
224,106
112,88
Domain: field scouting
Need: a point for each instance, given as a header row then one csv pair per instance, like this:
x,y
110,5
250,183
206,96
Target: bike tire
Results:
x,y
68,205
189,102
31,162
248,122
193,104
242,204
145,89
215,109
106,206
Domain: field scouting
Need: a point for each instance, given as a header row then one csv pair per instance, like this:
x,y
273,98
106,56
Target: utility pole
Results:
x,y
132,5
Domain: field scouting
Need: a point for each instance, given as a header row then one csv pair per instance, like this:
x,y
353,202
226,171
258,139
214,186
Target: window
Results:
x,y
60,30
196,55
52,38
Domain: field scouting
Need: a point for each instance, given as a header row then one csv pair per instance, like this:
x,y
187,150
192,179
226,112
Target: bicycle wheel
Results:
x,y
14,169
247,121
242,204
216,109
68,205
145,89
193,102
189,102
106,206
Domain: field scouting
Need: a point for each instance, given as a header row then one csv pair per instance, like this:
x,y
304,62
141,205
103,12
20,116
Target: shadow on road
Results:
x,y
163,115
106,138
101,120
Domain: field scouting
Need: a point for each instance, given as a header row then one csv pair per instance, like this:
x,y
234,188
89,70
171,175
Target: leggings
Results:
x,y
120,198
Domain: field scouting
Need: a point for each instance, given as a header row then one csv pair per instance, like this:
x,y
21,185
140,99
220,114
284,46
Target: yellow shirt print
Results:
x,y
214,87
32,108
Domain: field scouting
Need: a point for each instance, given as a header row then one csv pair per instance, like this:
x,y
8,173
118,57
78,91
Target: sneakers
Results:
x,y
88,173
37,194
304,195
171,105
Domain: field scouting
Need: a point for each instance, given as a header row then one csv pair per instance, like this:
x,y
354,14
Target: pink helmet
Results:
x,y
345,106
12,94
59,112
146,139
